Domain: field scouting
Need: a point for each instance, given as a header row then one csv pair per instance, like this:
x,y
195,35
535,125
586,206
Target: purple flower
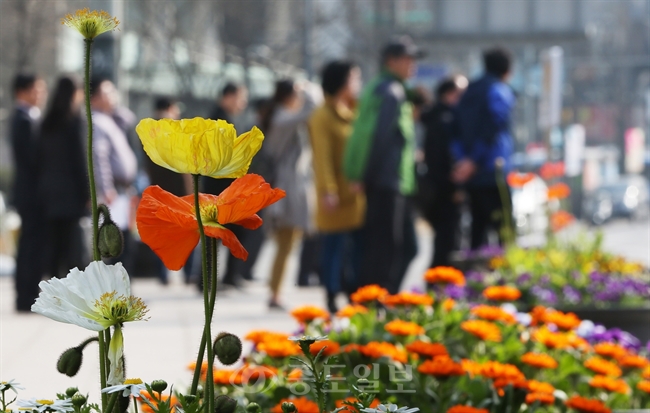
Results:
x,y
474,277
456,292
524,278
545,280
597,277
545,295
571,295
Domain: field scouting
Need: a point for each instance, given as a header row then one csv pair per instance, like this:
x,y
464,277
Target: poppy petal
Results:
x,y
252,222
245,197
229,240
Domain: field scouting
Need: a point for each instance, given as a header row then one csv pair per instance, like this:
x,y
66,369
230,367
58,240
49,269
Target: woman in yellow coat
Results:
x,y
341,207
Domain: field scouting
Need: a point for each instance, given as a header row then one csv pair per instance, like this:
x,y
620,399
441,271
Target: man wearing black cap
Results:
x,y
379,158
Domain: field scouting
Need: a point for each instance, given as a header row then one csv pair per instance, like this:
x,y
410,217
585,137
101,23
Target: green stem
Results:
x,y
197,369
112,401
207,335
102,368
91,173
213,279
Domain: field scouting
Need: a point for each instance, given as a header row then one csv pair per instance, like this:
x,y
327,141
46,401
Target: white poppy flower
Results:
x,y
130,387
10,385
60,406
382,408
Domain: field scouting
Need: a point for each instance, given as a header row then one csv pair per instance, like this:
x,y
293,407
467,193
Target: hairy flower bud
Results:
x,y
110,240
158,385
224,404
78,399
253,408
288,407
71,391
227,348
70,361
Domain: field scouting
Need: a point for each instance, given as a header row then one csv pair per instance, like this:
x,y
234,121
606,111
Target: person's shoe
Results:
x,y
331,303
274,305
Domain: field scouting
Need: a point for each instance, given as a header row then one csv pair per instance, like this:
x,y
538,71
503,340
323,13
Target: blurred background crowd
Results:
x,y
366,128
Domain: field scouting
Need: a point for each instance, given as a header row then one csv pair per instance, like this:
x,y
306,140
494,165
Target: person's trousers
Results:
x,y
29,259
284,238
487,209
444,219
340,255
389,242
66,246
310,254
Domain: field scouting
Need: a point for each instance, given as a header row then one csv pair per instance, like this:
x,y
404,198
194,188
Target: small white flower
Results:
x,y
307,338
382,408
524,319
586,328
61,406
10,385
130,387
509,308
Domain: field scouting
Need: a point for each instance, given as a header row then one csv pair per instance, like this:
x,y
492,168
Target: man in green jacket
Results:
x,y
379,158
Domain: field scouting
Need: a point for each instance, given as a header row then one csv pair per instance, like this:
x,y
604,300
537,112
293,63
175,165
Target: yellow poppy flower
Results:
x,y
199,146
90,23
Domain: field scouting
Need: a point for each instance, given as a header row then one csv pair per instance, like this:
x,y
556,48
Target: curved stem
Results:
x,y
91,173
213,279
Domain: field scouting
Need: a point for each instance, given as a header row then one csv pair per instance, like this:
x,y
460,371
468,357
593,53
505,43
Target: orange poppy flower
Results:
x,y
501,293
602,366
279,348
584,405
376,349
492,313
168,225
558,191
542,361
254,373
350,310
551,339
407,298
560,220
403,328
484,330
331,347
518,180
448,275
259,336
611,350
567,321
441,366
542,398
307,313
644,385
340,403
633,361
427,349
448,304
367,293
466,409
609,384
303,405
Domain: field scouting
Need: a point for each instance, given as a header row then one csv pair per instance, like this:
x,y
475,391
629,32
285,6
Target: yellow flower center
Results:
x,y
120,309
90,23
132,381
209,214
47,402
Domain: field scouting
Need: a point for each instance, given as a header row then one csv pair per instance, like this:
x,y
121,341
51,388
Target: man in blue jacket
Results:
x,y
485,144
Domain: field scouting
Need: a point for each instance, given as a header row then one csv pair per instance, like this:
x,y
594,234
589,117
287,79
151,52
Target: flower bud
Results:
x,y
110,240
253,408
190,398
78,399
71,391
70,361
158,385
224,404
288,407
363,383
227,348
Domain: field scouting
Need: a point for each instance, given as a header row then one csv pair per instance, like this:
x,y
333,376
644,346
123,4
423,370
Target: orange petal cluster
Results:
x,y
609,384
551,339
517,179
610,350
584,405
501,293
493,313
602,366
147,409
259,336
561,219
633,361
542,398
423,348
279,348
442,366
495,371
542,361
350,310
551,170
646,373
447,275
448,304
535,386
644,385
377,349
558,191
307,313
466,409
484,330
368,293
404,328
347,408
537,314
406,298
564,321
331,347
303,405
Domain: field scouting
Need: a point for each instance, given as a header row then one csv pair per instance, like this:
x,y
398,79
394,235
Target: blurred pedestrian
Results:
x,y
285,126
380,158
178,184
485,143
233,101
29,93
63,177
115,162
340,210
440,195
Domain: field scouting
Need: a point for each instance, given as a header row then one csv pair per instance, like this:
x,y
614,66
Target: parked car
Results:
x,y
627,197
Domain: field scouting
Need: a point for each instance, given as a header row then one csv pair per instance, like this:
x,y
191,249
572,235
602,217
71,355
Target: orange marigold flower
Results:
x,y
578,342
448,304
558,191
466,409
407,298
561,220
471,367
340,403
537,315
427,349
307,313
602,366
644,385
542,361
517,179
611,350
256,372
484,330
279,348
551,339
584,405
331,347
633,361
303,405
447,275
168,225
493,313
495,370
535,386
501,293
404,328
542,398
145,408
609,384
352,347
376,349
367,293
646,373
259,336
350,310
227,377
441,366
294,375
192,366
567,321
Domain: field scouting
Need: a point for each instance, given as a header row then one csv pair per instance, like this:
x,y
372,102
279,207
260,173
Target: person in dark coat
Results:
x,y
442,209
29,93
63,177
